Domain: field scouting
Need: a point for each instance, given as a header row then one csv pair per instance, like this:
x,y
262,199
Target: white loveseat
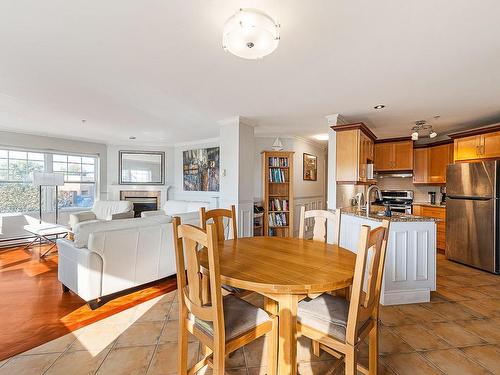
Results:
x,y
107,257
104,210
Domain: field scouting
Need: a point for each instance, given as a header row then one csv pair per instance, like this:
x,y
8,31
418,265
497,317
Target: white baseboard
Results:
x,y
402,297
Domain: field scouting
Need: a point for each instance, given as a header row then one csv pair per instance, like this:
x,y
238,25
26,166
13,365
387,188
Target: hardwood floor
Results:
x,y
34,310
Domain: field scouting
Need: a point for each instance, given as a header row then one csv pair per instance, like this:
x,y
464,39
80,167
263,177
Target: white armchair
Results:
x,y
104,210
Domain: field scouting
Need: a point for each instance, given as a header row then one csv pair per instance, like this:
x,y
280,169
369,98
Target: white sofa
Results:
x,y
188,211
108,257
104,210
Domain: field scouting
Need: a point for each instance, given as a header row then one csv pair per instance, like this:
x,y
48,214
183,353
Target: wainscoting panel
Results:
x,y
399,266
245,219
421,248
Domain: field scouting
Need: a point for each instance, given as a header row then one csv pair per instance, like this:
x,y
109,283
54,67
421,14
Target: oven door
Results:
x,y
403,209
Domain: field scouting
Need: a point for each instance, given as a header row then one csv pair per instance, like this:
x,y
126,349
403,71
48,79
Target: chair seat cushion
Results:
x,y
239,317
326,313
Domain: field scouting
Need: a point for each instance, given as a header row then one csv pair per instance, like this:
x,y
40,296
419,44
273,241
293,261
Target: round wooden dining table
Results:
x,y
285,270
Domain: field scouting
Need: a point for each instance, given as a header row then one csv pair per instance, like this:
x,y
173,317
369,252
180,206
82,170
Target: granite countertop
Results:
x,y
396,217
438,205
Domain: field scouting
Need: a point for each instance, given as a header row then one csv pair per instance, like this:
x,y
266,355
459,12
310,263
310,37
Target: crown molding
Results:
x,y
198,142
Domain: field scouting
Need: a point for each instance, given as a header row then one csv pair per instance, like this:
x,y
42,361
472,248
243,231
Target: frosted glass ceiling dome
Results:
x,y
250,34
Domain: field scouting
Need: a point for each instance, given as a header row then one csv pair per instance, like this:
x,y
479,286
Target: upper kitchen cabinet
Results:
x,y
430,162
477,144
354,153
393,156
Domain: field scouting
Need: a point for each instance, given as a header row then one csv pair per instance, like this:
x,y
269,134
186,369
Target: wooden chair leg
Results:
x,y
219,364
272,349
373,351
316,348
182,357
350,361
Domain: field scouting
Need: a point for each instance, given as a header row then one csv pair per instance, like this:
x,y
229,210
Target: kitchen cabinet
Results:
x,y
354,153
430,163
394,156
437,212
478,144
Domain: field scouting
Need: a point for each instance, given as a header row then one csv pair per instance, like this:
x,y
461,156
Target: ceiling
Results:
x,y
156,70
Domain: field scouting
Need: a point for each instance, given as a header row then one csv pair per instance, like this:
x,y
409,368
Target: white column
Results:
x,y
237,152
331,186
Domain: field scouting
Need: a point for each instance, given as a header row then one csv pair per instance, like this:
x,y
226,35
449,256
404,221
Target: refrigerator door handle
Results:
x,y
470,198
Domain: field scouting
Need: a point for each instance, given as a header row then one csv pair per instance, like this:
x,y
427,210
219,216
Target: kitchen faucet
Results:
x,y
379,196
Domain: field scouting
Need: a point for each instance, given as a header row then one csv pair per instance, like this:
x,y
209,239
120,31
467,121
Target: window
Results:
x,y
79,180
17,194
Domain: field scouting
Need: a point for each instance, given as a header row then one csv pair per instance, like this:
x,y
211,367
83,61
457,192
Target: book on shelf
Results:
x,y
277,219
278,162
276,175
278,205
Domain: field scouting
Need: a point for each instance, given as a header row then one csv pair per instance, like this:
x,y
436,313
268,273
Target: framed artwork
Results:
x,y
310,167
141,167
200,169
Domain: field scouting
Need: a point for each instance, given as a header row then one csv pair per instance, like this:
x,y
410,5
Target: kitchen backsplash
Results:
x,y
406,183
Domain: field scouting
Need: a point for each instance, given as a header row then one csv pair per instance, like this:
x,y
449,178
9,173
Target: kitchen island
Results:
x,y
410,265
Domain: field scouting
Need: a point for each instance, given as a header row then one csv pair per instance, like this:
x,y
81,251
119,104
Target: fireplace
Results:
x,y
142,200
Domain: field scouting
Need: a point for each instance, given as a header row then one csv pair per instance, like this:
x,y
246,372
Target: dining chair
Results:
x,y
320,218
338,326
228,322
218,216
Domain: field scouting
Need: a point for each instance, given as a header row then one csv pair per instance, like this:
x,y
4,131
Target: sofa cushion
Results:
x,y
84,229
104,209
239,317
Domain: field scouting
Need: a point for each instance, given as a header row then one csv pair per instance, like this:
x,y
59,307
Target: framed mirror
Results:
x,y
141,168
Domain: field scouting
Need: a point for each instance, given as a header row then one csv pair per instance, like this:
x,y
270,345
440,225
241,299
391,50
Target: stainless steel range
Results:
x,y
398,200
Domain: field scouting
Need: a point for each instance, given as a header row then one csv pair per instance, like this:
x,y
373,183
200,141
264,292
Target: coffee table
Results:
x,y
42,232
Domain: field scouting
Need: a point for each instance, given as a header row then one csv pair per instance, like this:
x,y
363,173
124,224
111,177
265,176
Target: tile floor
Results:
x,y
457,333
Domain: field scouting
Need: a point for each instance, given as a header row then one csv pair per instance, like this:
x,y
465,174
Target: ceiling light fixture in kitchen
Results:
x,y
250,34
422,126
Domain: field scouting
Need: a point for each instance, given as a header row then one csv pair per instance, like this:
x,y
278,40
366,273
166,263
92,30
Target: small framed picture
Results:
x,y
310,167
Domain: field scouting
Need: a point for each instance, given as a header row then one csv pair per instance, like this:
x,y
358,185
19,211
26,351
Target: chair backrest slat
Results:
x,y
217,216
320,218
364,305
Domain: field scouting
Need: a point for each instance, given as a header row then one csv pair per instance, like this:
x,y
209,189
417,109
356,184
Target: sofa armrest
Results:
x,y
122,215
78,217
80,269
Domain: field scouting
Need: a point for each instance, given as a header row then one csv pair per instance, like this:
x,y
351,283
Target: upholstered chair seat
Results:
x,y
239,317
326,313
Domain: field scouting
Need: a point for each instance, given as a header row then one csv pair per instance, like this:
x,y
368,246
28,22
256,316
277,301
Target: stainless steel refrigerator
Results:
x,y
473,213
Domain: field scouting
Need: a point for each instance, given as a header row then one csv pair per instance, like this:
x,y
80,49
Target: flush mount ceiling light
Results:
x,y
250,34
321,137
422,126
379,106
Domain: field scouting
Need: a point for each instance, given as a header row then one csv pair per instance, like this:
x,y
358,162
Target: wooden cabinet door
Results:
x,y
384,156
490,145
348,151
420,165
467,148
363,151
439,158
403,155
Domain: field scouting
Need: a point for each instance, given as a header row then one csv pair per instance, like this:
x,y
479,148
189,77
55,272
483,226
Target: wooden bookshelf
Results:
x,y
277,180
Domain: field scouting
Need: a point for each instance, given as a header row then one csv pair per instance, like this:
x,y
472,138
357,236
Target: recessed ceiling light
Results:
x,y
131,137
380,106
321,137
